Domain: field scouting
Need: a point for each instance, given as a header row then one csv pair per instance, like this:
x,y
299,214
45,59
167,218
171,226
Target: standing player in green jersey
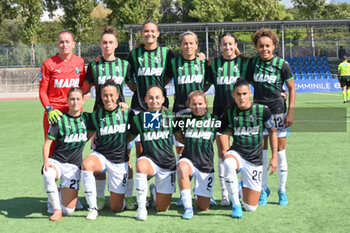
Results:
x,y
110,154
157,158
189,74
198,129
344,78
267,73
109,67
65,161
148,67
246,122
223,73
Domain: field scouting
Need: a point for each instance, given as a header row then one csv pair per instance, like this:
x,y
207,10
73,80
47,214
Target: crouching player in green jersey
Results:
x,y
65,161
198,130
246,121
110,153
157,158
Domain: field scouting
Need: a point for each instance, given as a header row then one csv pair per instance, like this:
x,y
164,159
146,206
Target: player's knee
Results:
x,y
162,208
67,211
203,206
230,165
142,166
49,174
88,164
249,208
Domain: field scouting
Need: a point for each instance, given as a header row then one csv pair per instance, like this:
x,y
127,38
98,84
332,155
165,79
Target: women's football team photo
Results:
x,y
173,144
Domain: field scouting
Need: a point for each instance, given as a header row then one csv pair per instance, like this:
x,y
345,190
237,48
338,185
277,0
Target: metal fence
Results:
x,y
27,57
23,56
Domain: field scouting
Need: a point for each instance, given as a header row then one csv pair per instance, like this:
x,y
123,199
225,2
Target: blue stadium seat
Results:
x,y
329,76
288,59
307,63
324,58
295,63
312,58
294,59
317,77
320,63
304,77
316,73
313,63
328,72
318,58
300,58
296,73
296,68
325,68
310,73
314,68
308,68
297,77
323,77
303,68
325,63
306,59
322,72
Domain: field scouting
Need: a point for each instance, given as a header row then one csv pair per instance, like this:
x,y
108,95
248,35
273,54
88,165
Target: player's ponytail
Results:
x,y
111,83
109,30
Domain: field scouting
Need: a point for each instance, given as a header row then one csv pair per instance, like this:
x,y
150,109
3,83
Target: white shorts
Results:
x,y
117,173
68,173
278,120
204,182
137,139
250,173
164,179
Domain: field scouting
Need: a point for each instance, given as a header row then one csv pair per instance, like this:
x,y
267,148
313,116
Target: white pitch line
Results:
x,y
324,93
319,121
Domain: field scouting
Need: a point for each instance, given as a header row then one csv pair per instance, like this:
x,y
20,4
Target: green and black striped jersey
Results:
x,y
156,131
189,75
267,78
71,135
199,135
111,133
149,67
247,128
98,72
223,74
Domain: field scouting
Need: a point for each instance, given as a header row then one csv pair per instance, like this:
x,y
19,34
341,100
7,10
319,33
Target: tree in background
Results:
x,y
309,9
132,12
77,17
30,12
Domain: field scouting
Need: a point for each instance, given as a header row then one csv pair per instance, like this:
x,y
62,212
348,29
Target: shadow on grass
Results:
x,y
23,207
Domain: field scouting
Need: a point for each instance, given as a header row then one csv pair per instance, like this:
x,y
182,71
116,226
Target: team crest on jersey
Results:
x,y
118,69
253,118
83,125
77,70
151,120
157,60
141,59
196,67
117,116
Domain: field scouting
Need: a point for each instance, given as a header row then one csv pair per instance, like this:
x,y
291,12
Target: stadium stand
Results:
x,y
310,67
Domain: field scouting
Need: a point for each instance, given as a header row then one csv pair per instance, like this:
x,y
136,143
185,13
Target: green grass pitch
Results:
x,y
318,184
